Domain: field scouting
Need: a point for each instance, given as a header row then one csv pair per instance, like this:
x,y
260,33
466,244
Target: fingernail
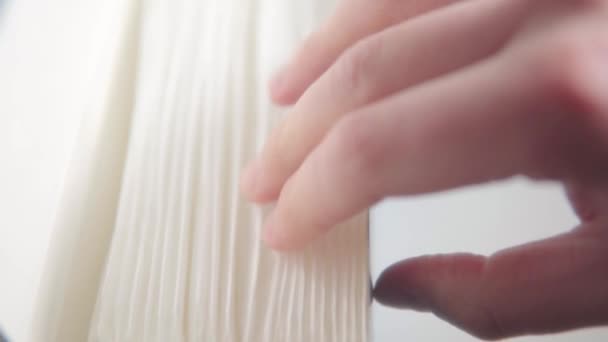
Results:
x,y
278,82
395,295
276,234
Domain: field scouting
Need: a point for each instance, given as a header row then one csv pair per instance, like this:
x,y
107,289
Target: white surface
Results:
x,y
37,41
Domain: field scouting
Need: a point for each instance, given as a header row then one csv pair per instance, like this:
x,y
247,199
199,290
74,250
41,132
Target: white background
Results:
x,y
40,115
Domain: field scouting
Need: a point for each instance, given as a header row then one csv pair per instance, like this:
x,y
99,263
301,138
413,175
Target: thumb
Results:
x,y
547,286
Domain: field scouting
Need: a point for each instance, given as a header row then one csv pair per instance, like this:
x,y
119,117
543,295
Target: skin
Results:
x,y
412,97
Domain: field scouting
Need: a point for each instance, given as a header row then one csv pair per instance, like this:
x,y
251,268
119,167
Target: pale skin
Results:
x,y
403,97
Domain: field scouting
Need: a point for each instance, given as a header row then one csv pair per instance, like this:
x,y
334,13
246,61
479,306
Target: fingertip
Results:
x,y
253,185
283,234
280,89
393,289
421,283
274,235
291,81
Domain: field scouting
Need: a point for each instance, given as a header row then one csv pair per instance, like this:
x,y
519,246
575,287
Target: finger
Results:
x,y
548,286
509,115
351,21
376,68
590,202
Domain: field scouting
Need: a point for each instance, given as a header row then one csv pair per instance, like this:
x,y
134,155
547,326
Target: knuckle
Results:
x,y
279,144
568,67
355,69
357,147
487,326
481,319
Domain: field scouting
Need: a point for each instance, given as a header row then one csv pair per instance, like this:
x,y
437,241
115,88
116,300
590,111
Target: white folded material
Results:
x,y
152,240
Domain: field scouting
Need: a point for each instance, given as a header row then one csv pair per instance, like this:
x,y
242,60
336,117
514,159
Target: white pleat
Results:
x,y
186,262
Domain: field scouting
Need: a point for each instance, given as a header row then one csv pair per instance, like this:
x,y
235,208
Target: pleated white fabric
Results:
x,y
158,244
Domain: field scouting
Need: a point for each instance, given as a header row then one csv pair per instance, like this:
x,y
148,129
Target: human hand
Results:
x,y
410,97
